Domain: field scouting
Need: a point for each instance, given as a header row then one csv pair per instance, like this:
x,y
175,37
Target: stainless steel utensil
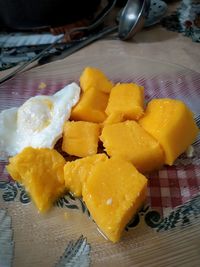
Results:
x,y
132,18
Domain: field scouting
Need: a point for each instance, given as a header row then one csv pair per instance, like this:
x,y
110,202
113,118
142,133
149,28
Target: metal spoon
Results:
x,y
132,18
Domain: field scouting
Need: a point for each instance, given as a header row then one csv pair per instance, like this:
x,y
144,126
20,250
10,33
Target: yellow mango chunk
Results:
x,y
93,77
80,138
130,141
127,99
114,118
91,106
76,172
171,122
113,193
41,172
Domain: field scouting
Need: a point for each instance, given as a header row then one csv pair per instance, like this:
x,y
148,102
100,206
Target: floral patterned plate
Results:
x,y
166,230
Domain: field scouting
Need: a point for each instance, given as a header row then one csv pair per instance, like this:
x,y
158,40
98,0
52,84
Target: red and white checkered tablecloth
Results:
x,y
173,186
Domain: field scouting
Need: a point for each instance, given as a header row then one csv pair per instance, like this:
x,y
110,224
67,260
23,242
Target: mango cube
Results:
x,y
113,193
76,172
130,141
80,138
91,106
114,117
170,122
93,77
128,99
41,171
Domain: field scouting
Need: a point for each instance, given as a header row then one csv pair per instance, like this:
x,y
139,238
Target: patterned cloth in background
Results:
x,y
186,19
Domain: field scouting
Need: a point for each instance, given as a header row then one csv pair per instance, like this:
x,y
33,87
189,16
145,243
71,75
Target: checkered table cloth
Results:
x,y
173,186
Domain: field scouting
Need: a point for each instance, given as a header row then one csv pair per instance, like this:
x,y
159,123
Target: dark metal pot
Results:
x,y
31,14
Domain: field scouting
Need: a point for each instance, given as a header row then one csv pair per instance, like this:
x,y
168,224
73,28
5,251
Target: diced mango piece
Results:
x,y
171,122
128,99
131,142
41,171
80,138
91,106
76,172
93,77
113,193
114,117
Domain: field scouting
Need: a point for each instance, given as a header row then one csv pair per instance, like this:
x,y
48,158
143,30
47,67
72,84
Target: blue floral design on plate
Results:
x,y
76,254
12,191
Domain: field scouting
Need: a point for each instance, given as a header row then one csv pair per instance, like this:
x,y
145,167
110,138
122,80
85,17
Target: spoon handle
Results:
x,y
77,46
90,39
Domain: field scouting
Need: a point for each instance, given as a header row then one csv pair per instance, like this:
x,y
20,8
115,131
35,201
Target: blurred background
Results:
x,y
29,26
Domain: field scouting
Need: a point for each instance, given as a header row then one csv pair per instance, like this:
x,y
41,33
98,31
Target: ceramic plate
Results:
x,y
166,230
